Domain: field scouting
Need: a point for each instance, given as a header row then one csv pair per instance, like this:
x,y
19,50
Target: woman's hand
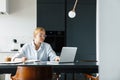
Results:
x,y
57,58
23,59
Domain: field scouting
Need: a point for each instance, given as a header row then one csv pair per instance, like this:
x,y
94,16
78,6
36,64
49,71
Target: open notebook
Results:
x,y
17,62
67,55
11,62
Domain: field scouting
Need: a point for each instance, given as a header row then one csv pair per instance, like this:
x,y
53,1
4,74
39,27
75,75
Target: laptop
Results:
x,y
67,55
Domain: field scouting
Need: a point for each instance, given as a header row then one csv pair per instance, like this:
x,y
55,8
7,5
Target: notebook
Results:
x,y
17,62
67,55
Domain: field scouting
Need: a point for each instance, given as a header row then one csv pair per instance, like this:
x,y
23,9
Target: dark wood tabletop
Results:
x,y
78,67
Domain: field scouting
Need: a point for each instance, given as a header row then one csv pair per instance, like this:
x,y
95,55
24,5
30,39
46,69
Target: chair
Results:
x,y
7,59
90,77
21,70
33,73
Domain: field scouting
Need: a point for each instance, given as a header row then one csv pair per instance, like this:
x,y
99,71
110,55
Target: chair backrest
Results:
x,y
33,73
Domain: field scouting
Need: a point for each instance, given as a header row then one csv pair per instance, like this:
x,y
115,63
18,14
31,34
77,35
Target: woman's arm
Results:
x,y
20,56
52,54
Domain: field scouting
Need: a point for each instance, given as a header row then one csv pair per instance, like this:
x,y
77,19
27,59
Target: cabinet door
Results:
x,y
50,14
56,39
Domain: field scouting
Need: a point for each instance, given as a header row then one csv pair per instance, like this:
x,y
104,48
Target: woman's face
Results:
x,y
40,37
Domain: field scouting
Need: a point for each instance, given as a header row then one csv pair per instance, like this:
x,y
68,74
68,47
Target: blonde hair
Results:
x,y
37,30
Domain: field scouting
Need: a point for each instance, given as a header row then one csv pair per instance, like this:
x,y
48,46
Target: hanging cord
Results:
x,y
75,5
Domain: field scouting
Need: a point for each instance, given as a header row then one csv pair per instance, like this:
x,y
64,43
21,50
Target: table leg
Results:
x,y
65,76
73,76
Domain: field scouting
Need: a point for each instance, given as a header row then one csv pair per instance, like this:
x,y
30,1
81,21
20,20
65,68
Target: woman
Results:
x,y
37,49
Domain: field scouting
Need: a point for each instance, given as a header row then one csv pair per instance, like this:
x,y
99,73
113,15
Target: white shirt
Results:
x,y
44,53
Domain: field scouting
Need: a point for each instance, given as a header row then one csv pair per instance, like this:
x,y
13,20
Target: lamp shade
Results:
x,y
71,14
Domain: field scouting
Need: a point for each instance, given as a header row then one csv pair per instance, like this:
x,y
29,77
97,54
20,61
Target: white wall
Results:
x,y
109,39
19,24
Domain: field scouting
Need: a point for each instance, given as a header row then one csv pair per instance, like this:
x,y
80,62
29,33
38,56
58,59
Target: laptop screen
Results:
x,y
68,54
